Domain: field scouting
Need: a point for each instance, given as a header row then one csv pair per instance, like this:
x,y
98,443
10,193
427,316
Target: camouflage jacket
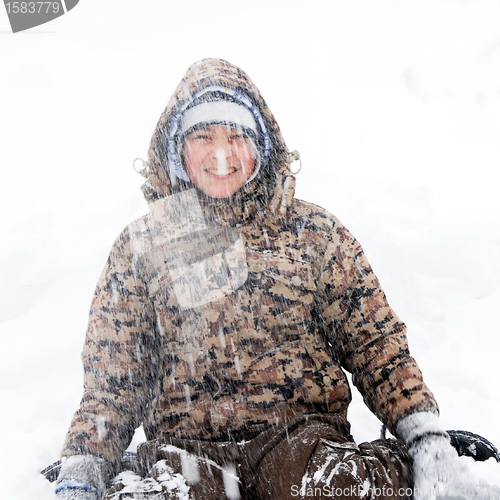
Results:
x,y
217,320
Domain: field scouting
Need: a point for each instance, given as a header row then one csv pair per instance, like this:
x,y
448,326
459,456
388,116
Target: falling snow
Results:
x,y
395,108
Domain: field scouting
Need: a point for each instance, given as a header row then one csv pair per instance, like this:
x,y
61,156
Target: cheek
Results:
x,y
248,166
192,157
246,158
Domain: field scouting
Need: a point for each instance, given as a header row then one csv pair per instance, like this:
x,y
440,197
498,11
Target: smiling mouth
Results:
x,y
221,173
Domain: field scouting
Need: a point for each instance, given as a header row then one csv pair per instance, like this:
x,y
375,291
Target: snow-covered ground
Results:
x,y
395,108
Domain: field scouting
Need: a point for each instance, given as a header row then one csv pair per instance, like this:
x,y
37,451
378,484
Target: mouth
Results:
x,y
221,173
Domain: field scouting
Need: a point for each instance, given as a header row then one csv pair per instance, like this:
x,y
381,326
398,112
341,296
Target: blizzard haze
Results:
x,y
394,107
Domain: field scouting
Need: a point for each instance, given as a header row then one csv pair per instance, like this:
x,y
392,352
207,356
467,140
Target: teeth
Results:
x,y
220,173
222,170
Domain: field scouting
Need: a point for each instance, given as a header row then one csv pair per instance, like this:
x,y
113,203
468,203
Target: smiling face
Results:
x,y
219,159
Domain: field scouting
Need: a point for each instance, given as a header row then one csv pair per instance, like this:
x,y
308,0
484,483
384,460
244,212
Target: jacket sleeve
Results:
x,y
119,360
367,336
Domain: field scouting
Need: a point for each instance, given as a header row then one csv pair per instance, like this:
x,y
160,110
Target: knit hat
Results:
x,y
216,105
217,112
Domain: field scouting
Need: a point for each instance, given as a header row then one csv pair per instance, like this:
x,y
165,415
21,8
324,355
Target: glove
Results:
x,y
83,477
437,469
439,472
76,494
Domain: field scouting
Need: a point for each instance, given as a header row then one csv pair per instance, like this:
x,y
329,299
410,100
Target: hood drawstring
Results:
x,y
286,190
289,184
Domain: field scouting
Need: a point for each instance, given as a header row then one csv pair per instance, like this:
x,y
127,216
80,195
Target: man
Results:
x,y
223,323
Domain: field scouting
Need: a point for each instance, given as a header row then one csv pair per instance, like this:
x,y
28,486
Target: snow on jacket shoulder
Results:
x,y
217,320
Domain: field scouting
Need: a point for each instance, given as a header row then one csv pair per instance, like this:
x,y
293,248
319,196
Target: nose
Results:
x,y
220,155
222,145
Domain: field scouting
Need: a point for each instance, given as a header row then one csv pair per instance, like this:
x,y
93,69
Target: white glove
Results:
x,y
82,477
76,494
437,469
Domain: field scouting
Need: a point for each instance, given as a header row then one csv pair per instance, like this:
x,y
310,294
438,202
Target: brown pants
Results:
x,y
309,458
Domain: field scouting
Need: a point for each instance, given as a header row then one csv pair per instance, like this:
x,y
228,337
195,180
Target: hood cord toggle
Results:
x,y
144,171
291,157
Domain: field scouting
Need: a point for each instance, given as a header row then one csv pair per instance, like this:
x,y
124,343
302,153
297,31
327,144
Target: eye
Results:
x,y
200,137
238,136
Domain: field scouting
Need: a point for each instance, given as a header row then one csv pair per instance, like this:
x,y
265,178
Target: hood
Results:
x,y
273,187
